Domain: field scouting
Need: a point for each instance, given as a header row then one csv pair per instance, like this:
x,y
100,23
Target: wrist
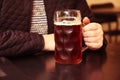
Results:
x,y
49,43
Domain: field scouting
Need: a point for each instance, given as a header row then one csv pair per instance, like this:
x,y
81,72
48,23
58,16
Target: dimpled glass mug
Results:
x,y
68,36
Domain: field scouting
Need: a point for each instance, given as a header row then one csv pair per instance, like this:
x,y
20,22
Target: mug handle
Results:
x,y
84,48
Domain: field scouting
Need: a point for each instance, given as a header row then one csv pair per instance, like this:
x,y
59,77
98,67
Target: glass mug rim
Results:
x,y
67,10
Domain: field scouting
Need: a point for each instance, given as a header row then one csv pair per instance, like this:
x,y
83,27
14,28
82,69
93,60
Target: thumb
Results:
x,y
86,20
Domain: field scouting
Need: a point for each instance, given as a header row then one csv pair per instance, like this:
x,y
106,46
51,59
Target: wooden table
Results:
x,y
95,66
115,10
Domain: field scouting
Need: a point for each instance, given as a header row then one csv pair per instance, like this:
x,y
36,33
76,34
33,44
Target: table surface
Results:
x,y
95,66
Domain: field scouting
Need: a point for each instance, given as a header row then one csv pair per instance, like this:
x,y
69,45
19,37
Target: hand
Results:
x,y
49,42
92,34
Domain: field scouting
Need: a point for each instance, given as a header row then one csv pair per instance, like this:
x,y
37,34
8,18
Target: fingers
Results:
x,y
92,30
94,46
90,27
93,35
86,20
92,39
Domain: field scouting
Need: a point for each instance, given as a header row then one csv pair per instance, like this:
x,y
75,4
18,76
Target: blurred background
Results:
x,y
110,20
115,2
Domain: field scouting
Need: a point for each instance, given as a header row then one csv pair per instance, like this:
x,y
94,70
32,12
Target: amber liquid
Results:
x,y
68,44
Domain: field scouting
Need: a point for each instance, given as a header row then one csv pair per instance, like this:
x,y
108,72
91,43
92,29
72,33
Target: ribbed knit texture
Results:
x,y
39,20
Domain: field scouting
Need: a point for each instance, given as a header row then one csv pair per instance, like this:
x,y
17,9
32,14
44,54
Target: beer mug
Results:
x,y
68,36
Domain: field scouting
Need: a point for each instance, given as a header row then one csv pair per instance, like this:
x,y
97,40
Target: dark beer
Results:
x,y
68,43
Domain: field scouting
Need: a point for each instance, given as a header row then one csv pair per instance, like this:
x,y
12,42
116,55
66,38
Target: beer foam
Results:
x,y
68,22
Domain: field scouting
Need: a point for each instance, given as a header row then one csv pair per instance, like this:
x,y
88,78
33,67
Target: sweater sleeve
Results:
x,y
15,43
85,10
